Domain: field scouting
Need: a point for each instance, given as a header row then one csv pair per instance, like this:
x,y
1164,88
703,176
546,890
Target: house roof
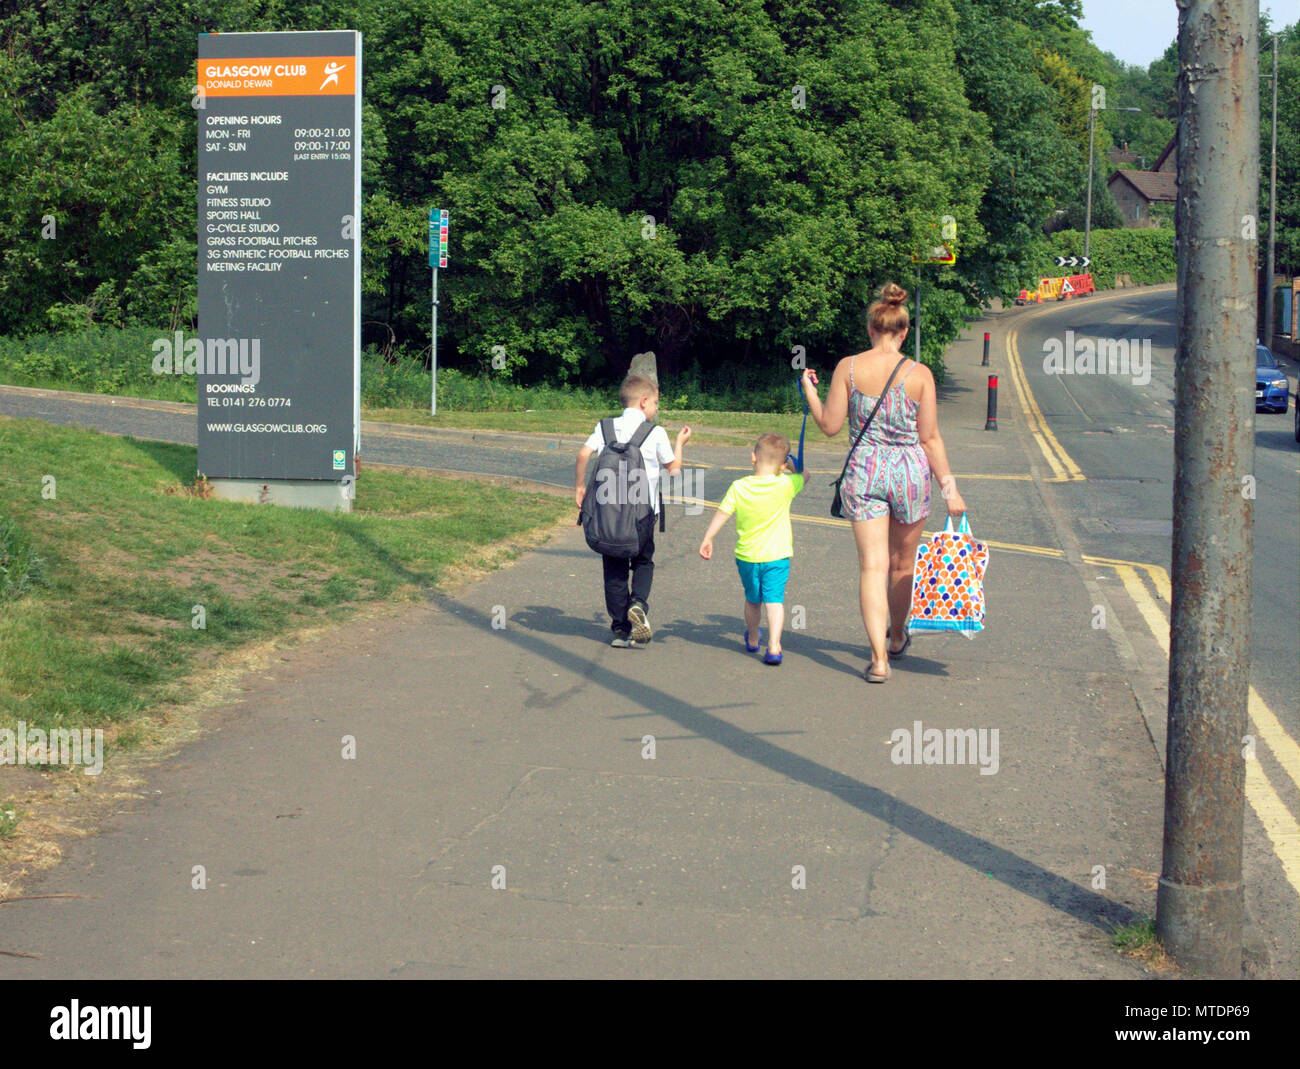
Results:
x,y
1153,185
1165,156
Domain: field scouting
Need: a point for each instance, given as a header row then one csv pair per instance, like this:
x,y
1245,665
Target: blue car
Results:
x,y
1271,386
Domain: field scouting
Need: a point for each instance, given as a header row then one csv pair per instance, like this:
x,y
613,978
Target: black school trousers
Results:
x,y
641,569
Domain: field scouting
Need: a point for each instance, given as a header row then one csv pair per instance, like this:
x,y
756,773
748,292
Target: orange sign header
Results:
x,y
279,76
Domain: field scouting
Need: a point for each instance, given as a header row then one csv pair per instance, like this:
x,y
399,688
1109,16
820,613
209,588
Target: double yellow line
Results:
x,y
1064,469
1280,825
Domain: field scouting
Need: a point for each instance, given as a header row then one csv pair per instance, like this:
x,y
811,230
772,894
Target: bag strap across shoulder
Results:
x,y
638,436
641,434
875,408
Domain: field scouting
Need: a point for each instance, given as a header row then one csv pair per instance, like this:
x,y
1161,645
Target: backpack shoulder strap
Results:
x,y
641,434
607,431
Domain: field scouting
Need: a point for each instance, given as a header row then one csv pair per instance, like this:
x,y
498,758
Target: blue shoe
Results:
x,y
748,647
771,658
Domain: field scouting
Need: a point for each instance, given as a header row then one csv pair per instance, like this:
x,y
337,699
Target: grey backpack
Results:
x,y
618,494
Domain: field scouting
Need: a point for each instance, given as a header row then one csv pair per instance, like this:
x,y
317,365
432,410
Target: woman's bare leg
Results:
x,y
903,540
872,538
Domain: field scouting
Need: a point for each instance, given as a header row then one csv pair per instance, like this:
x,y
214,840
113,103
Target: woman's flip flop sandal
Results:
x,y
748,647
893,654
874,677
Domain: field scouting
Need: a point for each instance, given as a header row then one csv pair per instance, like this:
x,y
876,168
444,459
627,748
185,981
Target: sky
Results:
x,y
1139,31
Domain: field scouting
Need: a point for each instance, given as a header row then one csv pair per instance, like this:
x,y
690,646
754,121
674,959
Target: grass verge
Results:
x,y
142,578
144,584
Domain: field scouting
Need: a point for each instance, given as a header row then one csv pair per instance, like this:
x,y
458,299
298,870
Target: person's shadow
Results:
x,y
724,633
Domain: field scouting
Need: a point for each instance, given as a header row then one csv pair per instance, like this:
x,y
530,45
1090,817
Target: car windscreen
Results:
x,y
1264,358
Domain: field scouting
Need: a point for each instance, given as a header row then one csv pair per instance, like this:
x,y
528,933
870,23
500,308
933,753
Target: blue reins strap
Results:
x,y
798,461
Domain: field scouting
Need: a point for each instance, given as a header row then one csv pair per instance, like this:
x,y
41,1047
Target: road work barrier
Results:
x,y
1057,288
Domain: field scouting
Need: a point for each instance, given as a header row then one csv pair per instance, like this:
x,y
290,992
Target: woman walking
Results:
x,y
886,488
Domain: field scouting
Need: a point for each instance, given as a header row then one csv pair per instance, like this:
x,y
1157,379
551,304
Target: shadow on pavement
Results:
x,y
1279,438
997,863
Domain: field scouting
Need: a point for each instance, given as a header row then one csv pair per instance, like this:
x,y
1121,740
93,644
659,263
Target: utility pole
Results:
x,y
1272,217
1199,900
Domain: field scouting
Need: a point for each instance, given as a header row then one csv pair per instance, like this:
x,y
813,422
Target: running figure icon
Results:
x,y
332,70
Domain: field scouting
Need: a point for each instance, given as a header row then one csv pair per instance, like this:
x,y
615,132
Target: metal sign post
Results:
x,y
916,329
438,220
937,254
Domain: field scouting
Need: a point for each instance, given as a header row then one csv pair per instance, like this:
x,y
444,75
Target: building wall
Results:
x,y
1132,205
1283,345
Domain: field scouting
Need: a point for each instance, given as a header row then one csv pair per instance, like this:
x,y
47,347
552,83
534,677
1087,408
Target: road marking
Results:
x,y
1280,825
827,471
1064,469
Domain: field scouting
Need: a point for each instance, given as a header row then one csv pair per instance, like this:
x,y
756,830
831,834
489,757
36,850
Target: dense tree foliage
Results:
x,y
1287,252
717,180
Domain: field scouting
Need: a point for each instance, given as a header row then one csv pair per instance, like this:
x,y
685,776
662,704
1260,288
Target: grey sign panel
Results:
x,y
279,273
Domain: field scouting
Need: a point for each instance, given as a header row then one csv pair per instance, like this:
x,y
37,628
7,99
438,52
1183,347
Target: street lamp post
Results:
x,y
1092,125
1270,264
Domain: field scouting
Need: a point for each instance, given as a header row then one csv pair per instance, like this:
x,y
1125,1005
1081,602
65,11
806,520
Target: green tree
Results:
x,y
1287,251
97,220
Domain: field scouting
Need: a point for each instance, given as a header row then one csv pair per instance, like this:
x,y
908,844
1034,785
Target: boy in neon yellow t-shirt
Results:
x,y
764,542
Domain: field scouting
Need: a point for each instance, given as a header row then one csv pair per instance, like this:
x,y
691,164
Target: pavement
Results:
x,y
526,801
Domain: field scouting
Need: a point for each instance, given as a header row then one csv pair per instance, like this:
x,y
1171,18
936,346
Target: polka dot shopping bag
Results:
x,y
948,582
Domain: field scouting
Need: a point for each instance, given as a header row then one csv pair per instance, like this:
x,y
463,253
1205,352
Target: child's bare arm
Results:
x,y
580,474
675,465
719,521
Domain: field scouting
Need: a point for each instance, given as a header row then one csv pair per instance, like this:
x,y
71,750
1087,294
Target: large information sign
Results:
x,y
279,284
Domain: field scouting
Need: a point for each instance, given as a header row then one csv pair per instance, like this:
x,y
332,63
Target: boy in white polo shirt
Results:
x,y
629,607
764,541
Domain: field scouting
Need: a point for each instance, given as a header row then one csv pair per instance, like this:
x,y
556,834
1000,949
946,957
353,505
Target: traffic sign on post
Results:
x,y
439,225
940,254
438,229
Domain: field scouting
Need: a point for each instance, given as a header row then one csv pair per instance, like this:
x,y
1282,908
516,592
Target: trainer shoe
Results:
x,y
640,622
620,641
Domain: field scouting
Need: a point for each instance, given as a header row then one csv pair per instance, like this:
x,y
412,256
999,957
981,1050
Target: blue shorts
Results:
x,y
764,582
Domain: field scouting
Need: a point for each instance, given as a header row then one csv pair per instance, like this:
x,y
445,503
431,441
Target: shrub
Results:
x,y
1146,255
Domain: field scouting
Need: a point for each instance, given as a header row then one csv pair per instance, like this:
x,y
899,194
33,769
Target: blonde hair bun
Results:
x,y
893,293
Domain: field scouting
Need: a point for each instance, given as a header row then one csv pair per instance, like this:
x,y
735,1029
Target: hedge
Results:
x,y
1145,255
